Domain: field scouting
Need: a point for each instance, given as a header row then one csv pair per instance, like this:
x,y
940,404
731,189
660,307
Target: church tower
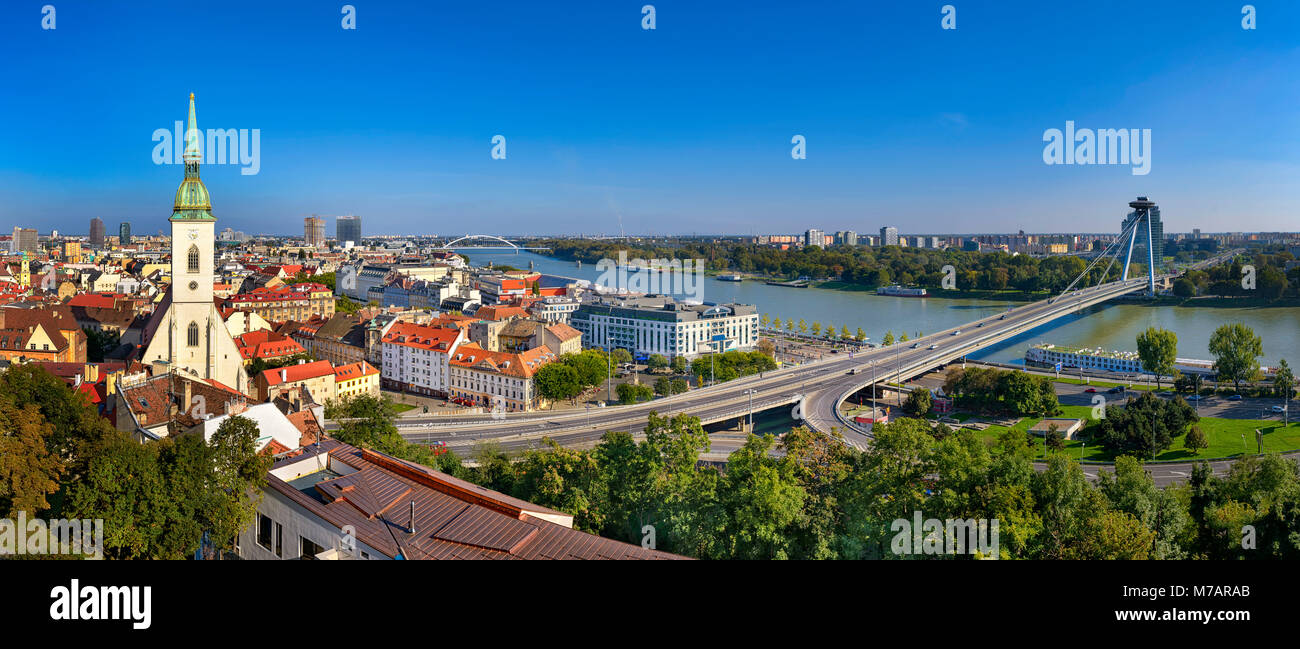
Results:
x,y
190,334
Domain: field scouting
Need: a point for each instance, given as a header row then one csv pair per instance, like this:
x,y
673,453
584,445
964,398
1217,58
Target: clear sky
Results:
x,y
686,128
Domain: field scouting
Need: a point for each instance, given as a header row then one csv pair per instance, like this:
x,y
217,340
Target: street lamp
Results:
x,y
751,392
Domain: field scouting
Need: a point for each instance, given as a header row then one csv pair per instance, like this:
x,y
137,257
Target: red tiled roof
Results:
x,y
422,336
354,371
299,372
264,343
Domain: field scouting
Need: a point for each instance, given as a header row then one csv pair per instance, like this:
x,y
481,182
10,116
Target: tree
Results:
x,y
844,332
1195,440
765,321
1236,351
238,474
1184,287
1158,348
634,393
657,362
679,385
862,335
888,339
556,381
1283,380
28,470
621,356
803,326
817,328
918,402
663,387
680,364
763,499
1054,441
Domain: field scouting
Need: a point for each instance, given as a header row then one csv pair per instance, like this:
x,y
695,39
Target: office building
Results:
x,y
888,236
24,240
658,324
124,234
96,233
347,228
814,238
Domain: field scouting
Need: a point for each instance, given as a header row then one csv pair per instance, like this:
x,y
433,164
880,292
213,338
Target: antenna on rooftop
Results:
x,y
411,529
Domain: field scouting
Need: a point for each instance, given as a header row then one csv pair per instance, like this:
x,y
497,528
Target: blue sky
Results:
x,y
682,129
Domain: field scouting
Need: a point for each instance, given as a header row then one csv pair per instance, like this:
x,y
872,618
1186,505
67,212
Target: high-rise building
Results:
x,y
313,231
96,233
124,234
888,236
814,237
846,238
24,240
348,228
187,332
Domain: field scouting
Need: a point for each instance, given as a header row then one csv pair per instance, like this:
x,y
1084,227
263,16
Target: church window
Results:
x,y
194,334
194,259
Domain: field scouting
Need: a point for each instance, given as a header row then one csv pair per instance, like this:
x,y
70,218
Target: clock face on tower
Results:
x,y
193,234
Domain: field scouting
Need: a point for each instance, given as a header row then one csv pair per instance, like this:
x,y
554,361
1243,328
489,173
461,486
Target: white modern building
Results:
x,y
656,324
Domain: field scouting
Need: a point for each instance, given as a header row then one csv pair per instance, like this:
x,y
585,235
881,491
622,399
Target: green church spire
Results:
x,y
192,200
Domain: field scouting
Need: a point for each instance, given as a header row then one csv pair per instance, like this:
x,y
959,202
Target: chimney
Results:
x,y
186,391
411,528
284,375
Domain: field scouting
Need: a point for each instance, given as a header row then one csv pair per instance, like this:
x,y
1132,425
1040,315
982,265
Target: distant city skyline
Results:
x,y
683,129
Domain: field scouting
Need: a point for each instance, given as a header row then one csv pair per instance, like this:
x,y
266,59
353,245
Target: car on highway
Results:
x,y
957,333
914,345
1235,397
1193,397
1002,317
933,347
1278,408
1091,390
1116,390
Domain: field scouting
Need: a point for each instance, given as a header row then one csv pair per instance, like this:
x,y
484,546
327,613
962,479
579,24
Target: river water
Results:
x,y
1112,326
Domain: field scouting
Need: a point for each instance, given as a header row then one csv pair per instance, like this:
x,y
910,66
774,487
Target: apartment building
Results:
x,y
356,379
502,381
416,358
288,302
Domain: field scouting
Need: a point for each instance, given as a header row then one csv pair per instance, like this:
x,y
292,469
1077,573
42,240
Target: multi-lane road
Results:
x,y
816,388
813,390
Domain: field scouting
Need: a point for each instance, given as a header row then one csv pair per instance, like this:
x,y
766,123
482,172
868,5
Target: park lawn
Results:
x,y
402,407
1224,435
1165,385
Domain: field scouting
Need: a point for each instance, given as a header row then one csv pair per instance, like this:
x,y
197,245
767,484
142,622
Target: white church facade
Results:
x,y
187,332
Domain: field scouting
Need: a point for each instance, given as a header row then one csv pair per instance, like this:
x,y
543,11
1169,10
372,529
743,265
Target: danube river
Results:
x,y
1111,326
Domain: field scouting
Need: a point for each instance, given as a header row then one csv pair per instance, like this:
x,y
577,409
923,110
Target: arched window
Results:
x,y
194,259
194,334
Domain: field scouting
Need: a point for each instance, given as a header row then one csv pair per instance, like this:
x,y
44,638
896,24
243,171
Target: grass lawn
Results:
x,y
1108,384
1224,435
402,407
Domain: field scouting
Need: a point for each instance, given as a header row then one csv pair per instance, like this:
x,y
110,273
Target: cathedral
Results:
x,y
186,331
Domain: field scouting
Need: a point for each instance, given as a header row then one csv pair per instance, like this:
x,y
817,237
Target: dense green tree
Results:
x,y
1158,348
1236,351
